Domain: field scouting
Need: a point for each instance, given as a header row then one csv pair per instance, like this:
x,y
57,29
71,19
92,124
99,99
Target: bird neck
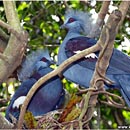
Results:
x,y
73,33
75,30
41,72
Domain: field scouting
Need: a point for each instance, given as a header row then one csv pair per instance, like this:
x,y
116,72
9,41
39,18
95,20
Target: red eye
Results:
x,y
71,20
43,59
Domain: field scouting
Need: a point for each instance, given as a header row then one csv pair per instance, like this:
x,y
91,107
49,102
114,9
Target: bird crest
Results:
x,y
83,17
28,66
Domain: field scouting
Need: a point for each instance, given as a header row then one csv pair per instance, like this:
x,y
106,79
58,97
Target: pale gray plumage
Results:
x,y
82,17
29,64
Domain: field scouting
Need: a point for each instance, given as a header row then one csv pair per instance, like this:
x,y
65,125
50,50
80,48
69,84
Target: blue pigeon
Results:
x,y
49,96
80,72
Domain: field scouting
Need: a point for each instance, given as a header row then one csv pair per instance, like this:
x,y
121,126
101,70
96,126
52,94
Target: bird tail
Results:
x,y
28,65
127,100
125,87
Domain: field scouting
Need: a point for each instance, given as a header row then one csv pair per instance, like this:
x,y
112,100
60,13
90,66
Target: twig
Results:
x,y
13,119
65,3
2,109
113,95
85,106
97,92
113,102
70,123
118,116
121,107
3,101
81,91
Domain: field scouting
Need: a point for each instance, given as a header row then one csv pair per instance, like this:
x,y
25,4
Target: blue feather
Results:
x,y
81,71
49,96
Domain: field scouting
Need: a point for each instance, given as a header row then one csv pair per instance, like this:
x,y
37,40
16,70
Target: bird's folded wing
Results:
x,y
119,62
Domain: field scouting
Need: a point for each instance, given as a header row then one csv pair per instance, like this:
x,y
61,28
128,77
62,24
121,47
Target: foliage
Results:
x,y
42,20
71,110
30,121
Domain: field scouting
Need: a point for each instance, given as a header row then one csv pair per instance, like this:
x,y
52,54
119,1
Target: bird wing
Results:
x,y
21,91
119,62
24,88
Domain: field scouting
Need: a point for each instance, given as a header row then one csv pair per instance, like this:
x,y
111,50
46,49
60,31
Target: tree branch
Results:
x,y
5,124
3,35
100,20
3,40
4,58
107,37
106,103
9,28
55,72
3,45
11,15
123,8
108,30
16,43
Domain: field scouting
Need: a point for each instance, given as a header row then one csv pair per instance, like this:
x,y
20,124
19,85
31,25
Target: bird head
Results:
x,y
77,21
43,63
33,62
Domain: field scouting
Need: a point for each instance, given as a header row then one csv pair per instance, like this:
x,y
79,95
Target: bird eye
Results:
x,y
71,20
43,59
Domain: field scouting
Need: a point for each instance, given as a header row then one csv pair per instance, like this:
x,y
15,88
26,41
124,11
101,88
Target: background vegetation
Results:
x,y
42,20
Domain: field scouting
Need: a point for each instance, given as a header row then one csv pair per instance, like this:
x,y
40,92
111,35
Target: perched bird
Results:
x,y
49,96
81,71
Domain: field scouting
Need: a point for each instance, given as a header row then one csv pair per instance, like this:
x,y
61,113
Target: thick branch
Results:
x,y
100,20
3,45
123,8
9,28
107,36
104,10
52,74
5,124
3,57
11,14
16,43
3,40
3,35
